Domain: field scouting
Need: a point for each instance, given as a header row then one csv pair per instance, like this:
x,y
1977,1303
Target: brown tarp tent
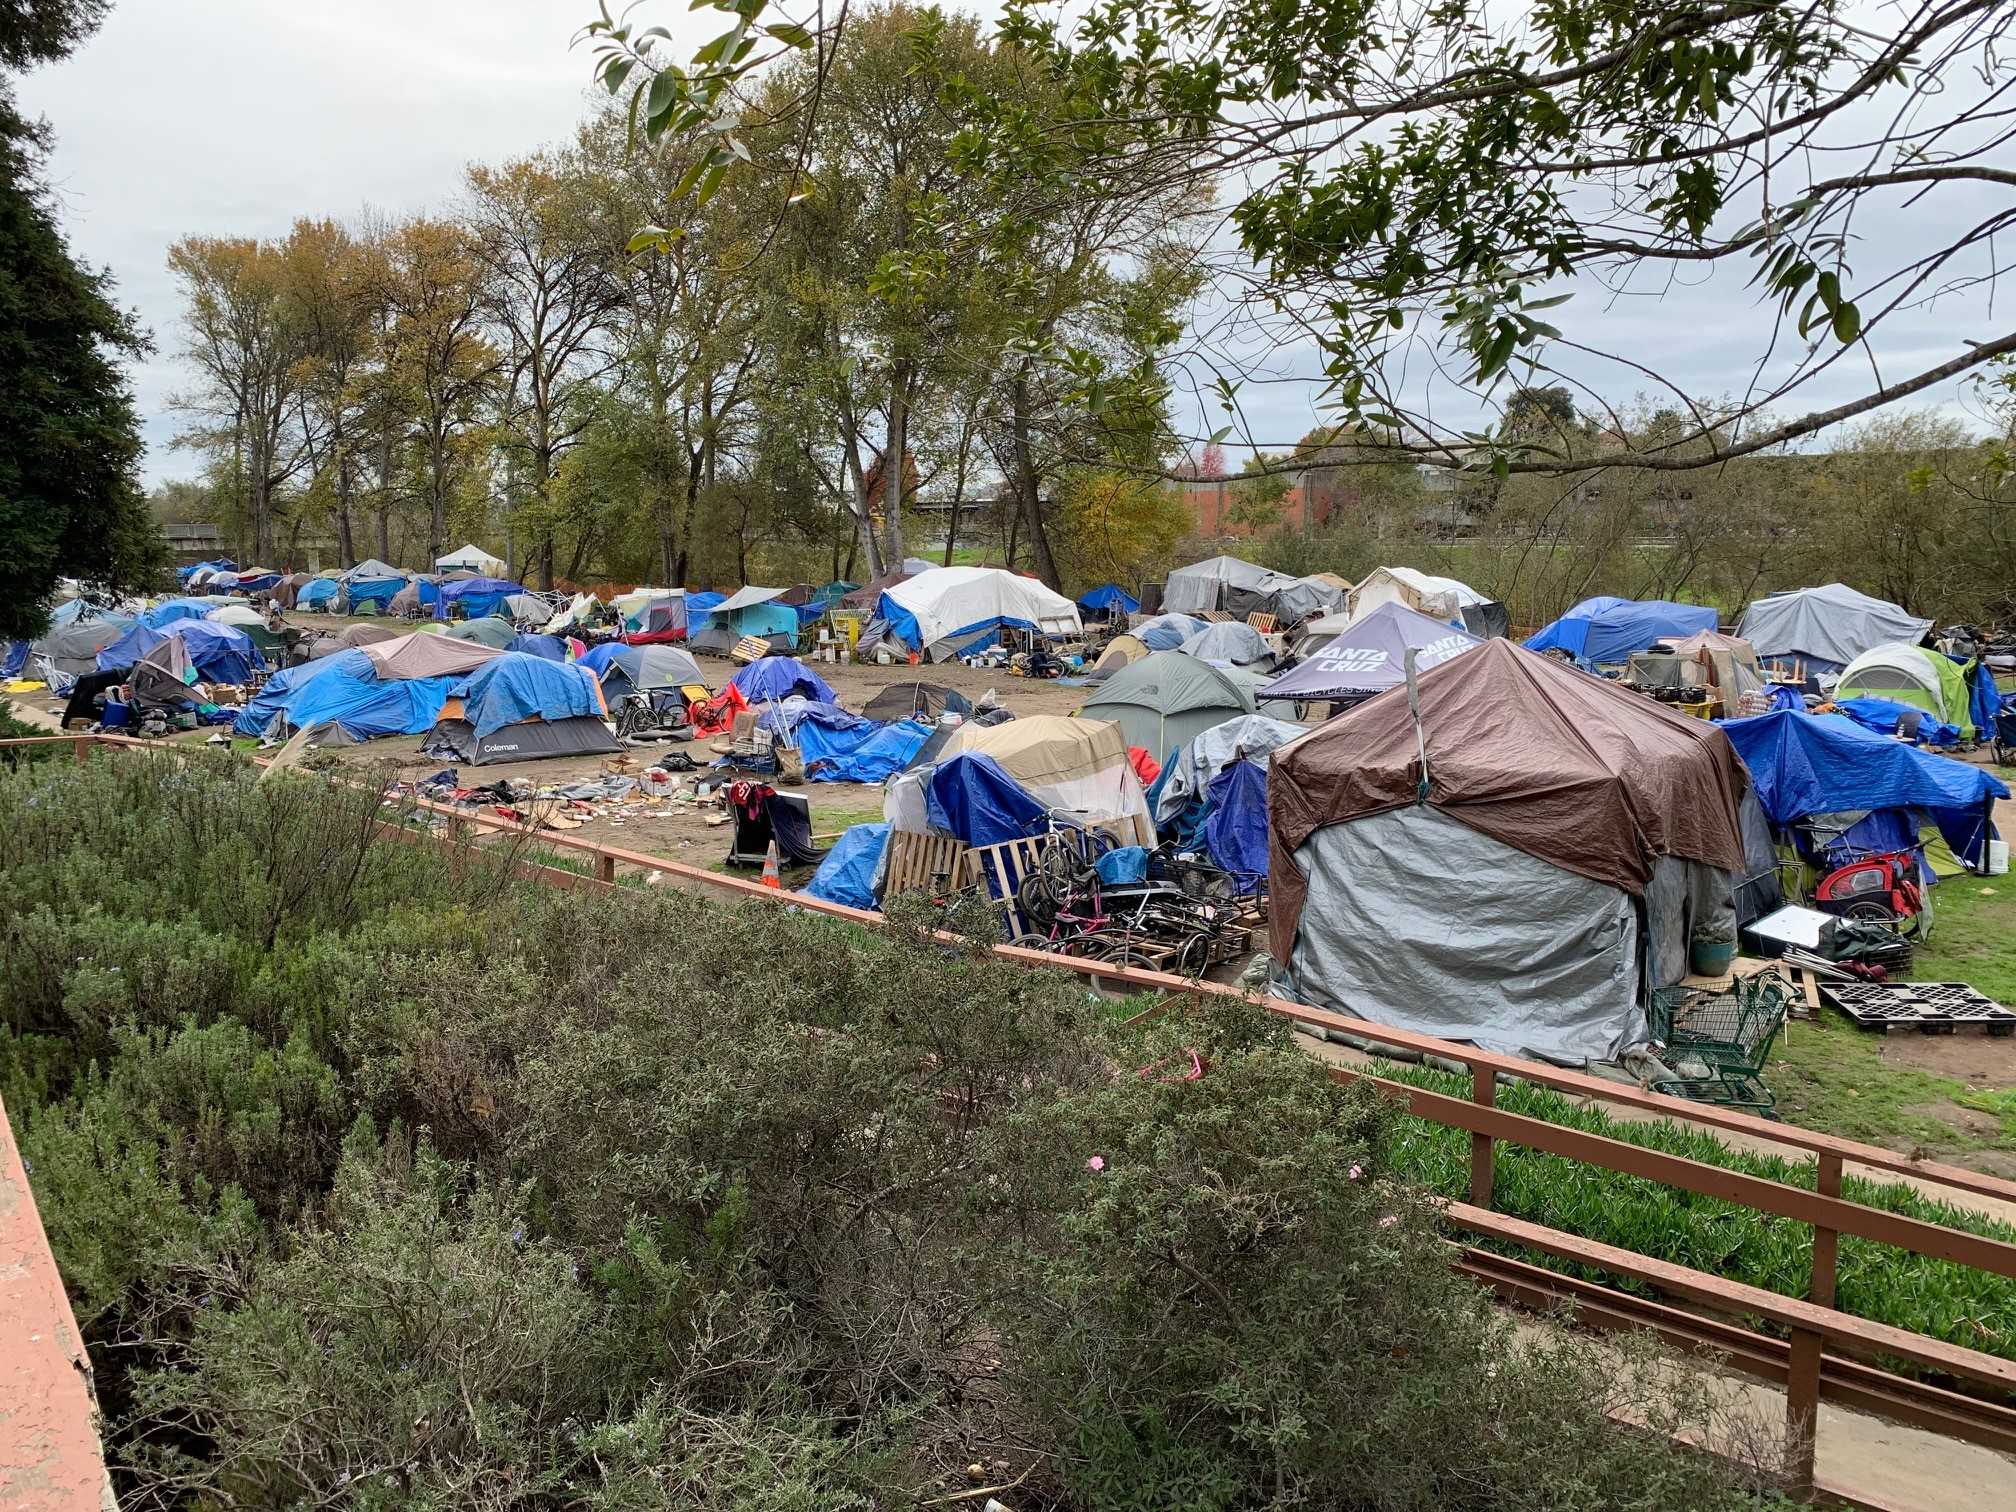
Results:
x,y
426,655
1546,759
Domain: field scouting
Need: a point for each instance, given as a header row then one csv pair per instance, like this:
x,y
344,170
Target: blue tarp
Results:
x,y
1804,764
780,677
698,605
852,749
1236,832
847,875
171,610
515,687
596,658
219,653
14,659
316,593
1784,696
1881,715
972,799
1166,632
222,564
377,591
1606,629
1122,865
551,647
1109,596
477,596
1984,699
346,688
256,582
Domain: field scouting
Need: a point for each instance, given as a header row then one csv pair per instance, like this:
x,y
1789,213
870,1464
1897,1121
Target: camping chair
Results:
x,y
60,683
1716,1042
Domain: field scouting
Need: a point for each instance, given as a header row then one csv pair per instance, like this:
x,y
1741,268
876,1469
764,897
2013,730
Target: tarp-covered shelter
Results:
x,y
641,669
1604,631
219,653
471,558
318,593
164,675
365,697
916,700
488,631
847,875
1570,836
1108,599
221,564
1204,585
375,593
1168,699
745,612
288,589
476,597
349,636
244,616
781,677
1369,655
870,594
1167,632
170,610
1826,627
835,746
551,647
74,648
1915,675
1233,644
520,708
525,609
949,610
1805,764
1251,737
1439,598
1077,764
973,799
1235,832
425,655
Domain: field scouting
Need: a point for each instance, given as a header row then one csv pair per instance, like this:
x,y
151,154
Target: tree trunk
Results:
x,y
346,538
1028,488
385,495
864,521
893,456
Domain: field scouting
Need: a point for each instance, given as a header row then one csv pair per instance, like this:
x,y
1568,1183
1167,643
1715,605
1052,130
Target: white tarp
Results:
x,y
472,558
745,598
1437,597
949,599
1828,627
1076,764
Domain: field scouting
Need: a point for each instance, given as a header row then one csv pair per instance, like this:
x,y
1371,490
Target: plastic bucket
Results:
x,y
1711,958
1998,858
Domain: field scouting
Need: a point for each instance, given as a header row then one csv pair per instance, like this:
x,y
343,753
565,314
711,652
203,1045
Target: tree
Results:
x,y
70,498
1116,526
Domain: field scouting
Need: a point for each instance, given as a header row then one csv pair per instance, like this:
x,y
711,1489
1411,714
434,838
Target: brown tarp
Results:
x,y
1589,776
869,595
424,654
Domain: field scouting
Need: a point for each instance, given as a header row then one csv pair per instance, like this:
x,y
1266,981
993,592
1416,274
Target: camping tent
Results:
x,y
781,677
378,592
348,636
241,615
163,674
747,611
1121,651
870,594
170,610
364,696
641,669
1915,675
1827,627
219,653
1233,644
1439,598
476,596
1166,700
1203,585
1253,737
222,564
1077,764
520,708
1165,632
525,608
423,655
1503,904
488,631
318,593
653,616
916,700
74,648
1803,764
418,597
949,610
1109,599
1370,655
1605,631
471,559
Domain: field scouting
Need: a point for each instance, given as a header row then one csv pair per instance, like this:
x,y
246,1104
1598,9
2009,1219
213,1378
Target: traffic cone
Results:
x,y
770,877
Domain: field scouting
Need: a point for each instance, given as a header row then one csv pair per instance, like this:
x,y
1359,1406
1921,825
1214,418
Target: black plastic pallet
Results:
x,y
1927,1007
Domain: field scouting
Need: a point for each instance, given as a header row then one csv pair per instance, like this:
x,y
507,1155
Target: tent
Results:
x,y
348,636
551,647
1202,585
424,655
1109,599
288,589
222,564
847,875
1231,643
476,597
1121,651
1166,700
488,631
257,580
318,593
836,746
641,669
1826,627
521,708
916,700
1604,631
949,610
1915,675
1251,737
973,799
1075,764
376,592
357,694
781,677
418,597
1294,600
1551,862
1165,632
163,675
1369,655
870,594
1804,764
747,611
241,615
658,620
1235,834
74,648
219,653
474,559
524,608
1439,598
170,610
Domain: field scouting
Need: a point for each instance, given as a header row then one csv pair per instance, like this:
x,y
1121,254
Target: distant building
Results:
x,y
194,541
1213,506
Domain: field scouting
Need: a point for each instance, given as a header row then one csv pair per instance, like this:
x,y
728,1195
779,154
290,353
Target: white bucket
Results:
x,y
1998,858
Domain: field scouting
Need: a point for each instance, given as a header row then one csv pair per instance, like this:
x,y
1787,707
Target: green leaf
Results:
x,y
804,191
650,236
791,33
617,71
1847,322
1829,290
1550,302
664,92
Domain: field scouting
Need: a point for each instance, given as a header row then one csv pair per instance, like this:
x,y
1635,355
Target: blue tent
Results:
x,y
317,594
551,647
596,658
515,687
972,799
170,610
219,653
1108,597
847,875
1235,834
780,677
256,582
1166,632
697,607
13,659
477,596
1882,715
222,564
1984,698
1605,629
376,591
840,747
1803,764
347,689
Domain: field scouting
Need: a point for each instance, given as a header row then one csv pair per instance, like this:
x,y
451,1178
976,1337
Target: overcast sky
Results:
x,y
233,117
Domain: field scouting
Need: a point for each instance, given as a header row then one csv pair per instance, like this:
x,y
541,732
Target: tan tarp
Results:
x,y
422,655
1076,763
1564,766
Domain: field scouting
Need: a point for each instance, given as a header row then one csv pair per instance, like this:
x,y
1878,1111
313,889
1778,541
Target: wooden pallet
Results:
x,y
1003,868
916,862
1927,1007
1266,624
1213,616
751,648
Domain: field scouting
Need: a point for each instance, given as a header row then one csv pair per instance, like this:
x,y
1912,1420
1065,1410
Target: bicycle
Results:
x,y
1067,859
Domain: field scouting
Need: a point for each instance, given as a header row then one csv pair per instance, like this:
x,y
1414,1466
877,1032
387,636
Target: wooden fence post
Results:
x,y
605,867
1483,1149
1802,1381
80,749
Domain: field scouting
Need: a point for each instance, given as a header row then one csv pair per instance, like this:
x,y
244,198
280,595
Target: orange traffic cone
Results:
x,y
770,877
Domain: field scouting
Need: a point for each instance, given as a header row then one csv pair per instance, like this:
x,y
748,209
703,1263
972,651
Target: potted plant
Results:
x,y
1712,949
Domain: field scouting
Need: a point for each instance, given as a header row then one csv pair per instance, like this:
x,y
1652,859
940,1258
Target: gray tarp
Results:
x,y
1210,753
1828,626
1415,919
1681,895
1199,585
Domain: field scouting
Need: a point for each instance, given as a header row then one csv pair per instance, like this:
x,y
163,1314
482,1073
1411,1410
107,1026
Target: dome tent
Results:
x,y
1121,651
1439,598
1251,737
522,708
1167,699
488,631
1605,631
950,610
1826,627
1230,642
1918,676
1570,836
916,700
1166,632
1077,764
641,669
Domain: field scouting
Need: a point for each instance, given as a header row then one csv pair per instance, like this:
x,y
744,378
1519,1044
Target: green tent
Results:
x,y
1912,675
1166,700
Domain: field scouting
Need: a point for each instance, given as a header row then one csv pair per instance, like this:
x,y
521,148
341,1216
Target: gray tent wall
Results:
x,y
1416,920
579,735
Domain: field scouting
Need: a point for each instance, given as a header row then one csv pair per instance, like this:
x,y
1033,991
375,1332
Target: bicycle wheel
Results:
x,y
1033,941
1193,957
1037,899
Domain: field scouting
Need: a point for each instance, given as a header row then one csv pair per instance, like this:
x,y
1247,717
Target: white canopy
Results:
x,y
949,599
471,558
746,598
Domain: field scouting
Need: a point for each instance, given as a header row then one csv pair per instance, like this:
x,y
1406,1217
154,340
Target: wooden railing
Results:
x,y
1824,1354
